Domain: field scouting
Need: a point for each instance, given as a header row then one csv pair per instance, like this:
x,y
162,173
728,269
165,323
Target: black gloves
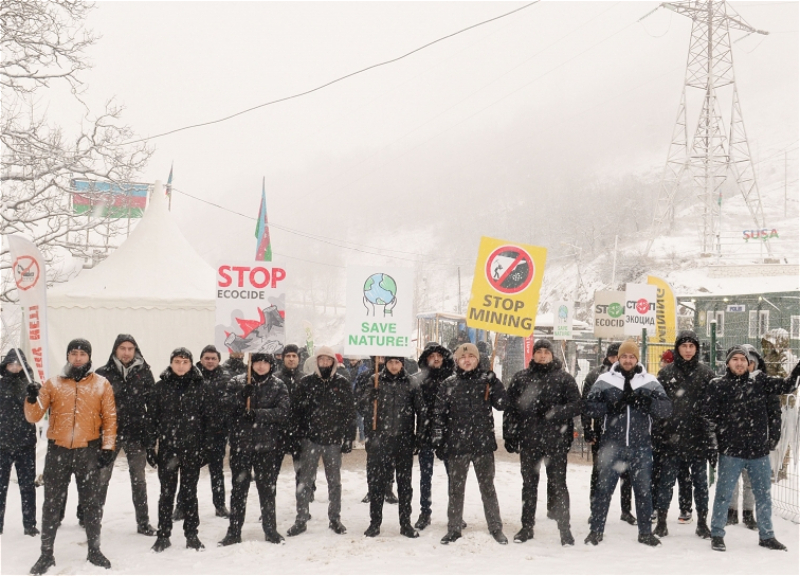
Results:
x,y
712,456
347,446
152,457
33,392
589,436
437,438
105,458
642,402
512,446
541,408
247,391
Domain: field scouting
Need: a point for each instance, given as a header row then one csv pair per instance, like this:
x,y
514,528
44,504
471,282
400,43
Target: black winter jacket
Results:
x,y
132,387
463,416
15,430
737,406
429,381
180,415
291,377
216,381
324,411
263,428
235,366
401,410
686,432
592,427
543,400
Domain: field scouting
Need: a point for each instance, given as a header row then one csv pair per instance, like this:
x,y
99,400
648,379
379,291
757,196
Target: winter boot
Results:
x,y
98,559
45,562
372,531
337,527
593,538
718,544
525,534
408,531
685,517
649,539
194,543
749,520
31,531
625,517
162,543
272,536
450,537
499,537
566,538
733,517
222,512
702,526
230,539
661,525
145,529
772,544
423,521
297,528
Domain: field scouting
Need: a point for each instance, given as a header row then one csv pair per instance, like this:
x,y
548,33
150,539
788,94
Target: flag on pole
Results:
x,y
264,246
168,189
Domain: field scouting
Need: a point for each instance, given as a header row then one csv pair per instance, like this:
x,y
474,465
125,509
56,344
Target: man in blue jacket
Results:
x,y
626,398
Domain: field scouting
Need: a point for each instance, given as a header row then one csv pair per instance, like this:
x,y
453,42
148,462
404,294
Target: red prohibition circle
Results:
x,y
26,272
642,306
510,269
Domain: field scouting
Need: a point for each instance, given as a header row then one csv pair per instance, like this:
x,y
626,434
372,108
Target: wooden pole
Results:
x,y
375,405
249,375
491,367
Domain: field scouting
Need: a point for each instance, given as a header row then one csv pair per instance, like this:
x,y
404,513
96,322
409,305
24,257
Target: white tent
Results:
x,y
154,287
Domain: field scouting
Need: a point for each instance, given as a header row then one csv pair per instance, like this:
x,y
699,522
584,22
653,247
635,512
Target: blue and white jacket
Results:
x,y
628,426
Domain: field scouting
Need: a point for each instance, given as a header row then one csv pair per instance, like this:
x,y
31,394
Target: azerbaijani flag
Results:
x,y
264,246
107,199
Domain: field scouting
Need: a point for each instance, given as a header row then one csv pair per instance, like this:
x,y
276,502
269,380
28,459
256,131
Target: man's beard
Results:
x,y
78,373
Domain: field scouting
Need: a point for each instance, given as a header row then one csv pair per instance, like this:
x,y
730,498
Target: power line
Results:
x,y
299,94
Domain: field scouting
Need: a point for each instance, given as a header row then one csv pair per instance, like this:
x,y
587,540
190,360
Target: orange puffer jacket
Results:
x,y
77,411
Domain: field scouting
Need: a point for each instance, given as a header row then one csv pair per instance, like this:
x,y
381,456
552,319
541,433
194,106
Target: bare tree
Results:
x,y
43,43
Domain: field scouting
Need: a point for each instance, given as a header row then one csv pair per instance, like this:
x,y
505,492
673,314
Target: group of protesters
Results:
x,y
636,422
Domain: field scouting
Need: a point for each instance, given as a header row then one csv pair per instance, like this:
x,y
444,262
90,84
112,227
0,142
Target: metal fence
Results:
x,y
784,460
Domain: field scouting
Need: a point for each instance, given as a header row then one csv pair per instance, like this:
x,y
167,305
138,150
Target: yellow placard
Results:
x,y
666,313
505,289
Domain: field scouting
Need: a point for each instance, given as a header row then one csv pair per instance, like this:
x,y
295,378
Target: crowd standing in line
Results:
x,y
681,419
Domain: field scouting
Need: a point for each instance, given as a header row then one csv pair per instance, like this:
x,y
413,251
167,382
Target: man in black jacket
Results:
x,y
463,432
390,446
180,424
685,436
132,381
17,438
737,406
258,411
593,430
436,365
291,373
235,365
542,402
325,413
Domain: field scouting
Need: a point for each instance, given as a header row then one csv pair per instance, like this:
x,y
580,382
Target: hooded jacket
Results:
x,y
78,410
429,382
262,428
401,409
543,400
463,416
627,425
15,431
132,386
323,409
216,381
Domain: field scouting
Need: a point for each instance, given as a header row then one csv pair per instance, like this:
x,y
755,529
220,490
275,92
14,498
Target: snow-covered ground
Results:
x,y
320,551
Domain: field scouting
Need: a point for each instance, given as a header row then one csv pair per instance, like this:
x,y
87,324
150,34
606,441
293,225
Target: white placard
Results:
x,y
609,314
562,320
640,309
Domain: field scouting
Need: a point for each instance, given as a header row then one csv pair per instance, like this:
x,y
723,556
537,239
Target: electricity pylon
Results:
x,y
711,153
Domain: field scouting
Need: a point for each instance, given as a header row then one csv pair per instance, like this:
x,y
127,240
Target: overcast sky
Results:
x,y
548,98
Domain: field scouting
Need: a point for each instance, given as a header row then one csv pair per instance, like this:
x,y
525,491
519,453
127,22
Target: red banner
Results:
x,y
528,349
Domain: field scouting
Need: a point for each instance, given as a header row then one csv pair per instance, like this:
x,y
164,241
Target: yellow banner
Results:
x,y
666,311
505,289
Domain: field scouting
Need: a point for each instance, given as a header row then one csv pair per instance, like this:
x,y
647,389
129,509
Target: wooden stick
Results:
x,y
375,405
491,367
249,375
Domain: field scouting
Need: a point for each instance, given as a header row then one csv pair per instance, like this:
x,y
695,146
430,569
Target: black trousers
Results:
x,y
216,456
170,466
59,466
625,488
24,459
556,467
263,467
387,456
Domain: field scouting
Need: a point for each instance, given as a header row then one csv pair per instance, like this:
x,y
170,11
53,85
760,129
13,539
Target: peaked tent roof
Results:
x,y
155,267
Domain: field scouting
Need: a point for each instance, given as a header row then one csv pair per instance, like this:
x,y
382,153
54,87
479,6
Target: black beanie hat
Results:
x,y
734,350
262,357
211,348
291,348
543,343
398,358
80,344
183,353
612,350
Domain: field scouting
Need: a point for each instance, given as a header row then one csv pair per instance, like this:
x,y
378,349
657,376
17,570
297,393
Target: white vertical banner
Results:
x,y
640,309
30,276
562,320
379,311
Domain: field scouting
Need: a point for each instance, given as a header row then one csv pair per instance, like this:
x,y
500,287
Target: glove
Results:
x,y
773,444
439,453
437,439
512,447
347,446
105,458
247,391
642,402
33,393
152,457
589,436
712,457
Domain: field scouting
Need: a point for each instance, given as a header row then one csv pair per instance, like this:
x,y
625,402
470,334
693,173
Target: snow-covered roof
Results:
x,y
155,267
698,282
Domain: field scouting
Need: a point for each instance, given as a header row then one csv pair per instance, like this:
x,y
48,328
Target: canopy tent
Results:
x,y
154,287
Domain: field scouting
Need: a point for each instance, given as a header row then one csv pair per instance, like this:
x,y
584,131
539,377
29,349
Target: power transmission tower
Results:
x,y
710,154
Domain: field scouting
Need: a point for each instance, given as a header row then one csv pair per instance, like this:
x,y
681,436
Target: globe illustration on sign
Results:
x,y
563,313
380,292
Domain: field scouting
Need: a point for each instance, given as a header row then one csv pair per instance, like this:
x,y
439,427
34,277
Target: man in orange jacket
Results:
x,y
81,403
